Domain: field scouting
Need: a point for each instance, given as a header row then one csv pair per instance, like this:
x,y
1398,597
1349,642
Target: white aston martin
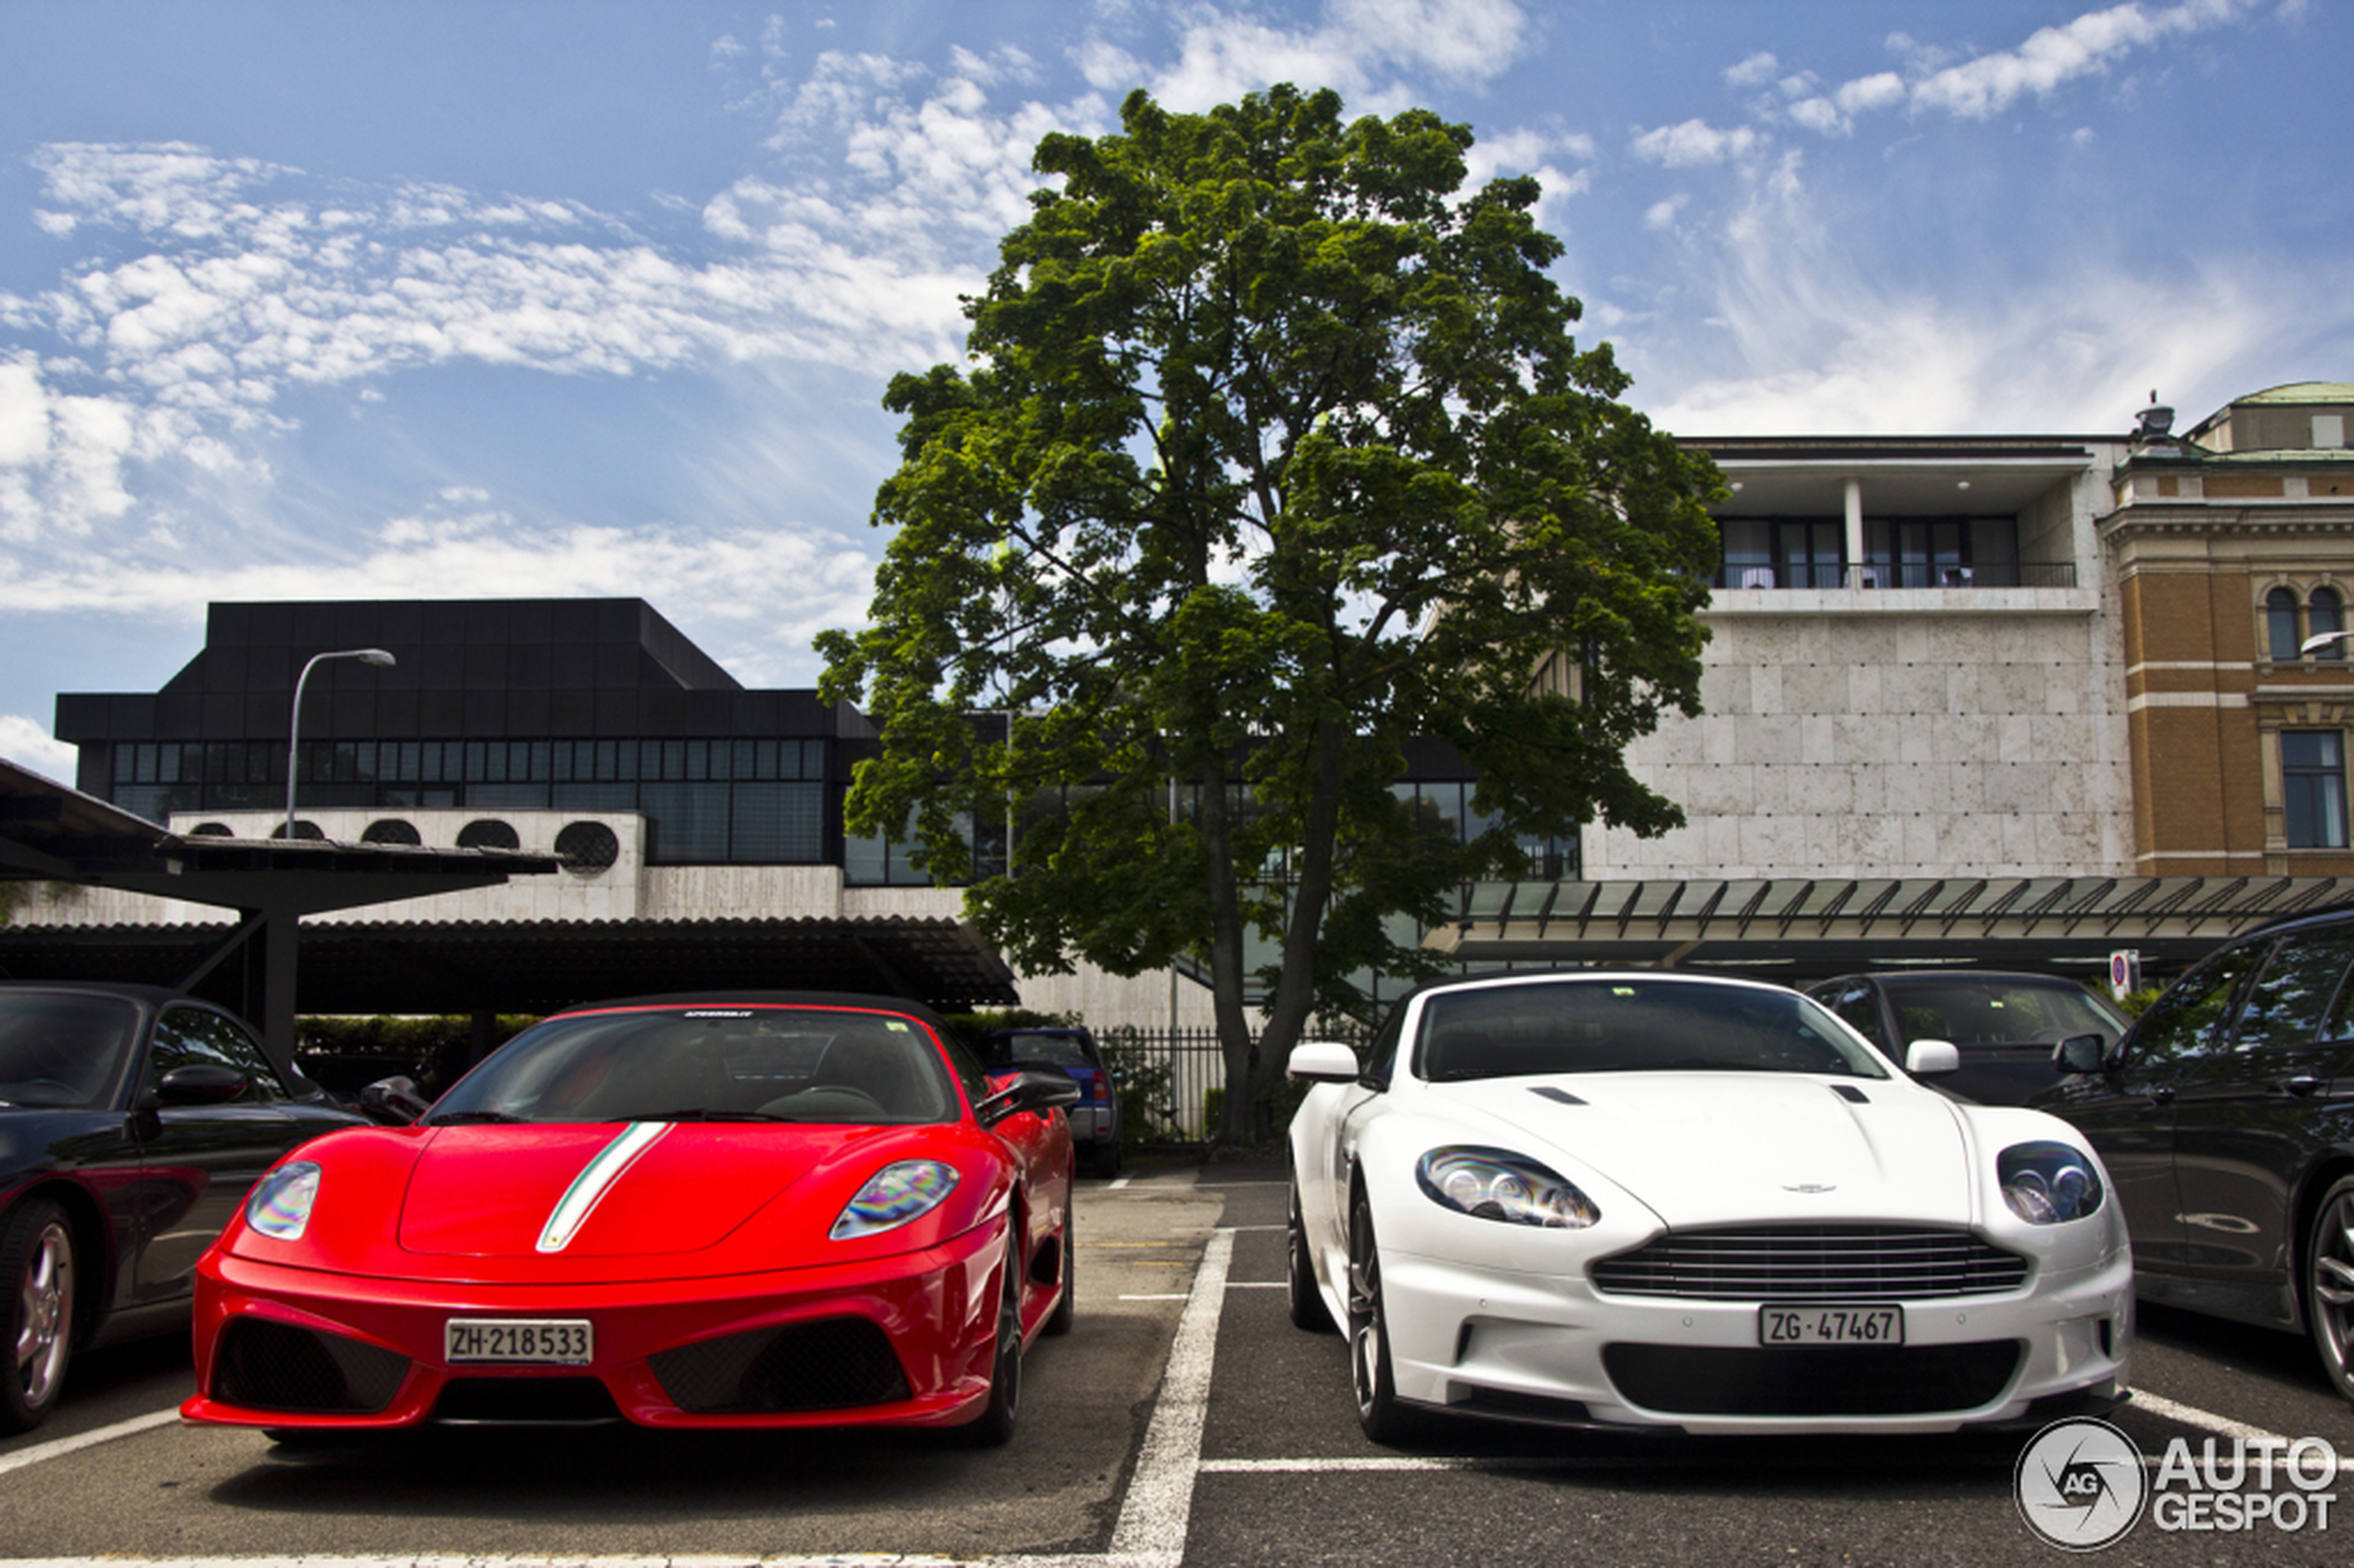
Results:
x,y
1654,1200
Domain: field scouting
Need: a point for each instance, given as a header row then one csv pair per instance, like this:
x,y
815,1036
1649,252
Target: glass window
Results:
x,y
2326,612
1858,1005
63,1052
2279,624
2313,788
686,824
2189,1017
1631,1025
188,1035
2285,1005
778,823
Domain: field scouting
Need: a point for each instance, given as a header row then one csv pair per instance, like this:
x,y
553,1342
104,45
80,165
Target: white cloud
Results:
x,y
1222,55
1695,142
1754,71
28,743
1662,214
2056,56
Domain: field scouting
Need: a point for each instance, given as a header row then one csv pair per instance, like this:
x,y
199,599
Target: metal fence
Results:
x,y
1173,1083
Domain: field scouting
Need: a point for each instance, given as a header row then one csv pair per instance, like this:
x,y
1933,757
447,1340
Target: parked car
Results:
x,y
1095,1120
2226,1115
1647,1201
2005,1025
749,1210
133,1123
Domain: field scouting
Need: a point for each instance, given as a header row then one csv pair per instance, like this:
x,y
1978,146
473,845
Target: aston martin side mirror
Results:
x,y
1322,1061
1923,1058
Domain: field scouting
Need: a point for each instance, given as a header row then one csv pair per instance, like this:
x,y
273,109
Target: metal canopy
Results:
x,y
540,966
1818,927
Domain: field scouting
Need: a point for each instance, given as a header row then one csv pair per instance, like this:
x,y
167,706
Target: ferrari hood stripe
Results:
x,y
595,1179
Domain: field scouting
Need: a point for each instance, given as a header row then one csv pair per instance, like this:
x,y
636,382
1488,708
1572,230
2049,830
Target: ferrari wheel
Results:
x,y
1065,1311
36,1259
1379,1413
995,1426
1308,1309
2329,1284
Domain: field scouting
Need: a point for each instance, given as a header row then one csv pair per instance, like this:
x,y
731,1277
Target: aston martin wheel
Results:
x,y
1378,1411
2329,1284
1065,1311
1308,1309
995,1426
36,1259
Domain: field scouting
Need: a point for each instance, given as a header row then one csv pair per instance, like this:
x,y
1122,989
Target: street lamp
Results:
x,y
375,656
2319,641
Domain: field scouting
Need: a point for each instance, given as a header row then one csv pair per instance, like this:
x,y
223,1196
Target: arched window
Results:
x,y
2325,611
2280,622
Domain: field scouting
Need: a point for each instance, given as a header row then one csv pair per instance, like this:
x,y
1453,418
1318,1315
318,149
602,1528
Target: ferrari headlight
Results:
x,y
893,1195
2048,1183
279,1206
1498,1184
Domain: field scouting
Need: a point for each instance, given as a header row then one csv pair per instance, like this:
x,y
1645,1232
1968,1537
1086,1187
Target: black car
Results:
x,y
1095,1120
132,1121
2005,1025
2226,1119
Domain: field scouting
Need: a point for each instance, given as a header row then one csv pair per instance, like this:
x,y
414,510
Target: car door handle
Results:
x,y
2303,1086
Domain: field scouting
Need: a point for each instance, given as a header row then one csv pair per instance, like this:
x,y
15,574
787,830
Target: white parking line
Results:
x,y
2222,1426
1159,1507
59,1448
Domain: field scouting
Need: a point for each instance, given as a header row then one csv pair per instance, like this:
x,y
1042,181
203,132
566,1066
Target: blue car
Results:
x,y
1095,1120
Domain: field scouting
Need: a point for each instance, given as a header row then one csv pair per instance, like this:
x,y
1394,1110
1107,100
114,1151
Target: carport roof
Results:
x,y
1824,926
540,966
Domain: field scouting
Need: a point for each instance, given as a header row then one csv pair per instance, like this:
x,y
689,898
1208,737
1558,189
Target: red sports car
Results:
x,y
746,1209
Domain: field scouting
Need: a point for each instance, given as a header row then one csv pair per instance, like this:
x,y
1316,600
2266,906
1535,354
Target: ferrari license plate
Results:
x,y
1830,1325
566,1342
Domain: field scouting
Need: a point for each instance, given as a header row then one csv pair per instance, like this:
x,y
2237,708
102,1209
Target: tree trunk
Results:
x,y
1226,956
1289,1008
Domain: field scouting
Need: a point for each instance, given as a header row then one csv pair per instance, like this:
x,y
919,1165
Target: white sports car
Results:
x,y
1655,1200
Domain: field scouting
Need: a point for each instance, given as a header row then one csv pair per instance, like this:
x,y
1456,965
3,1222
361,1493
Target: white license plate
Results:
x,y
565,1342
1830,1325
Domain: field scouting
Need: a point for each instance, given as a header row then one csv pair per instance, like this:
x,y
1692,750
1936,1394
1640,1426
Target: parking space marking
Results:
x,y
1159,1507
2222,1426
59,1448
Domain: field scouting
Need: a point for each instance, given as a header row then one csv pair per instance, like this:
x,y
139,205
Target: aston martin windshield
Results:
x,y
60,1051
749,1064
1639,1025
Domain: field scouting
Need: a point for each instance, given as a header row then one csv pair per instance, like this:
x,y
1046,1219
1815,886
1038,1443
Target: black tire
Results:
x,y
37,1270
1308,1309
2329,1284
1065,1311
998,1418
1384,1420
1103,1157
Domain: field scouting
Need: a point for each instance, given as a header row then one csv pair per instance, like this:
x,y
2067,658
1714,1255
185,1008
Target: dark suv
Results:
x,y
1095,1120
2005,1025
2226,1119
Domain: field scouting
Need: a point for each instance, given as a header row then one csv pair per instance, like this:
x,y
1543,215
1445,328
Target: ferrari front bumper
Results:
x,y
906,1340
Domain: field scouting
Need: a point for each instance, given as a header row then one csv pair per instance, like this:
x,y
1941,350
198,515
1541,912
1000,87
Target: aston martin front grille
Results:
x,y
1812,1263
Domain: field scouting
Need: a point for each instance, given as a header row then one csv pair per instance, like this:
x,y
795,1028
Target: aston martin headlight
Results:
x,y
2048,1183
893,1195
1498,1184
279,1206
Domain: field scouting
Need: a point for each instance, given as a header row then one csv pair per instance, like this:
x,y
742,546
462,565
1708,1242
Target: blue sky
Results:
x,y
444,299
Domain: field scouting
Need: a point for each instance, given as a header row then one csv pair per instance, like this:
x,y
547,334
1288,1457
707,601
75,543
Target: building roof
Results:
x,y
2303,392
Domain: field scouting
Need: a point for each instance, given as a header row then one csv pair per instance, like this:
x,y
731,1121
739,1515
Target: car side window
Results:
x,y
1859,1006
2287,1001
187,1035
1382,1057
2190,1019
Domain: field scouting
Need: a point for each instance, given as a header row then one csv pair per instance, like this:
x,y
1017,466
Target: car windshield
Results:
x,y
63,1052
1036,1050
1635,1025
1995,1012
751,1063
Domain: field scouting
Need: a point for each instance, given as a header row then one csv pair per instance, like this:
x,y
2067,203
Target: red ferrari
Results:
x,y
747,1209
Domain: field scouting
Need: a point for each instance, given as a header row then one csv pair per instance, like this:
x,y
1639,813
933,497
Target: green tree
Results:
x,y
1273,451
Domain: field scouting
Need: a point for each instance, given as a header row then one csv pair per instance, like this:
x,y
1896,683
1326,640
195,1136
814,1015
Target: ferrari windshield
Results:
x,y
753,1063
60,1051
1638,1025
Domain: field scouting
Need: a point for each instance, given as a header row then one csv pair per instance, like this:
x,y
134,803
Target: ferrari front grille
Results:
x,y
262,1365
1812,1263
832,1364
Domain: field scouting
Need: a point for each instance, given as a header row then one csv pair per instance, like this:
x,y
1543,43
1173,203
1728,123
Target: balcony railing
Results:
x,y
1903,575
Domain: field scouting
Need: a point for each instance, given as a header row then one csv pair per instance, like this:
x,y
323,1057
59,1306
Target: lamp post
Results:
x,y
375,656
2319,641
